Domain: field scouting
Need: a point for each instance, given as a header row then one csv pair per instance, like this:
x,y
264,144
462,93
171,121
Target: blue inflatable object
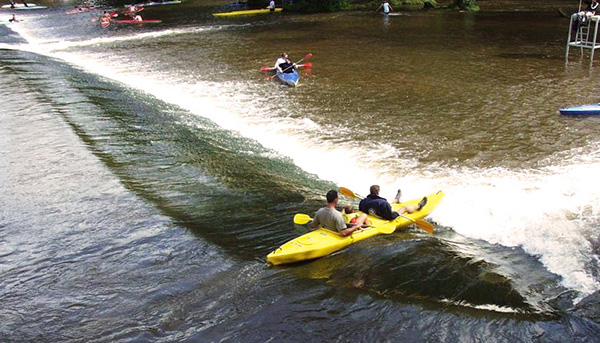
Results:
x,y
588,109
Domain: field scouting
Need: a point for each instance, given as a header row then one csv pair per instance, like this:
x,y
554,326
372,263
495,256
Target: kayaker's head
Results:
x,y
332,196
374,190
284,55
348,209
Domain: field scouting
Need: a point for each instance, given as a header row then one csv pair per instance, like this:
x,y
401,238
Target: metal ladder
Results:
x,y
585,36
583,33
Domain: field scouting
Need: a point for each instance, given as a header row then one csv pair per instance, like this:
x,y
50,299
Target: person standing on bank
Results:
x,y
592,7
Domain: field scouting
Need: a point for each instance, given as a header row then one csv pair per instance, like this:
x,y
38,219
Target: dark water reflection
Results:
x,y
125,218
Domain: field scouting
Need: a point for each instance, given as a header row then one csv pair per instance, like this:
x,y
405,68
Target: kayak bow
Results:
x,y
290,79
588,109
246,12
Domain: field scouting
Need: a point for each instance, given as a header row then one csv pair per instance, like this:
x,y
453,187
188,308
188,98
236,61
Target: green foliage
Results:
x,y
261,3
318,5
401,3
467,5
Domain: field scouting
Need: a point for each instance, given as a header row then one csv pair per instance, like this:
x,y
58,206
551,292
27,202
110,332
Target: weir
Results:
x,y
585,35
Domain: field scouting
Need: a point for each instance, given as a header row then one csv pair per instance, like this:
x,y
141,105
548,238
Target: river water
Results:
x,y
146,171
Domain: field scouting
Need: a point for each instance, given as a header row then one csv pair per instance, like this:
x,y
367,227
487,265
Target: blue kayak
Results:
x,y
589,109
290,79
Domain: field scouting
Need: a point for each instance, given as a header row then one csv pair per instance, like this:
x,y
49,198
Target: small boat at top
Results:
x,y
29,6
322,242
157,3
246,12
582,110
290,77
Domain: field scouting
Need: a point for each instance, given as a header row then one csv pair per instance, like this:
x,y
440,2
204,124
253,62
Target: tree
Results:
x,y
467,5
319,5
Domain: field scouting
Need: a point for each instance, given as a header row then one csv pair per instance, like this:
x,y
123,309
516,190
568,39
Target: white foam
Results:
x,y
540,211
50,45
488,307
545,211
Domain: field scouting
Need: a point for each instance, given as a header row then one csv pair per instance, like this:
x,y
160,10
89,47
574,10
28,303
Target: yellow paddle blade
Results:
x,y
302,219
345,191
421,224
425,226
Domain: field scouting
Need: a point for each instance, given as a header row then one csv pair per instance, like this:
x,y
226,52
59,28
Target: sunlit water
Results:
x,y
146,171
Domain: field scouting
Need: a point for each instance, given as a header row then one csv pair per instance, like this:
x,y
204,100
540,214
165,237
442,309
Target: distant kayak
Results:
x,y
22,7
131,21
589,109
246,12
158,3
290,79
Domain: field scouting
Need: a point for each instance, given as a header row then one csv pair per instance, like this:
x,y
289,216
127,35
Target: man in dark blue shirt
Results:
x,y
375,205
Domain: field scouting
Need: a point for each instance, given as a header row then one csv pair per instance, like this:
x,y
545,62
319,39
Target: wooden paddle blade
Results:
x,y
345,191
425,226
302,219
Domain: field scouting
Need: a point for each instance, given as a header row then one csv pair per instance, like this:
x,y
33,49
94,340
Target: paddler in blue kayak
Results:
x,y
332,219
284,65
375,205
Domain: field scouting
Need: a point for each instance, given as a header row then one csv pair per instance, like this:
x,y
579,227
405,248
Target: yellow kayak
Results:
x,y
322,242
246,12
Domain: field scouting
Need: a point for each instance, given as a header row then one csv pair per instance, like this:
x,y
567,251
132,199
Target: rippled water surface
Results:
x,y
146,171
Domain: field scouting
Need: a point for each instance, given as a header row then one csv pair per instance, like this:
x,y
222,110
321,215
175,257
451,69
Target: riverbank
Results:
x,y
484,5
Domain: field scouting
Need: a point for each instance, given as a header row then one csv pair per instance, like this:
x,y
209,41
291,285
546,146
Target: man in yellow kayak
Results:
x,y
375,205
332,219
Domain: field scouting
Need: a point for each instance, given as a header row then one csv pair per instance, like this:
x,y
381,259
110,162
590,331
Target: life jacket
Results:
x,y
377,206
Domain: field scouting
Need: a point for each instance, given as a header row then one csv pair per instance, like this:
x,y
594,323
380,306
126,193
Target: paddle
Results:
x,y
303,65
423,225
308,56
301,218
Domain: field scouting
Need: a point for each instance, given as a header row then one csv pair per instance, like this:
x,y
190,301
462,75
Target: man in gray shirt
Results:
x,y
332,219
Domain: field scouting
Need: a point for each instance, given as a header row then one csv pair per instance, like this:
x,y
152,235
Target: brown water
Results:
x,y
150,169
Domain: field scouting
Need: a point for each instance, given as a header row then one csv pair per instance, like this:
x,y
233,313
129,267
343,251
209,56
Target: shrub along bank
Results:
x,y
309,6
